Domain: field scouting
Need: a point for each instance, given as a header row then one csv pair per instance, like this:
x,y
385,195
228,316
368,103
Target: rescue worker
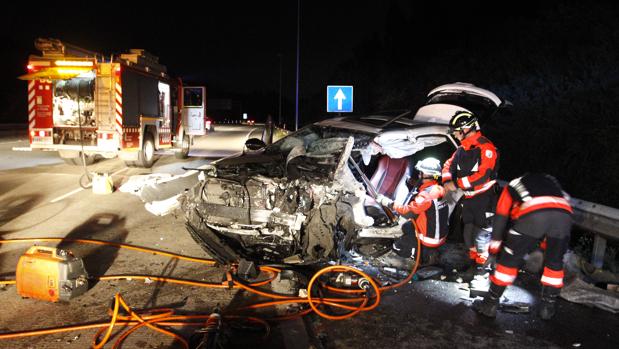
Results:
x,y
429,212
537,208
473,168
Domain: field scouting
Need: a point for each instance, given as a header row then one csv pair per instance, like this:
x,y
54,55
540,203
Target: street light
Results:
x,y
296,112
279,117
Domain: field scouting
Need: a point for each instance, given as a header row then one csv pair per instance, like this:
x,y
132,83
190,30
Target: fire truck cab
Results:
x,y
80,101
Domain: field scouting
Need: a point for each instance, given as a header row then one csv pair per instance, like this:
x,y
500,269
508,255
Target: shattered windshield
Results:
x,y
318,139
314,150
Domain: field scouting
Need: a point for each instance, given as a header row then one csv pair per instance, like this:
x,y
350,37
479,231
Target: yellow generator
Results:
x,y
50,274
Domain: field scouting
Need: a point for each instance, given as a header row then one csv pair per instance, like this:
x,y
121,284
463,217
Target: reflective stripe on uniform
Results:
x,y
504,276
552,278
513,232
488,185
430,242
545,200
465,182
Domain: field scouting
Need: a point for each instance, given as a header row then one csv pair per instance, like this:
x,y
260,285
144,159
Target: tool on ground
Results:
x,y
102,183
50,274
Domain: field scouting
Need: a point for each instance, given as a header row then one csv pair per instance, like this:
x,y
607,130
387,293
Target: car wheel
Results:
x,y
146,156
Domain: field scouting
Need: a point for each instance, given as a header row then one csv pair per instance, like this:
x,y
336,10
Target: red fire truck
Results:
x,y
80,101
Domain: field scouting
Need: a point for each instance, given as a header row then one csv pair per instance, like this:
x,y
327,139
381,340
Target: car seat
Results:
x,y
389,179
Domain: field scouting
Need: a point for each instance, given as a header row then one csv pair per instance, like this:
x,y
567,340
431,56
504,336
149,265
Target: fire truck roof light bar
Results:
x,y
62,63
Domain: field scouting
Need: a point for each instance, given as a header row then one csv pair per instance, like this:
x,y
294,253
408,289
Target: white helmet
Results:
x,y
429,167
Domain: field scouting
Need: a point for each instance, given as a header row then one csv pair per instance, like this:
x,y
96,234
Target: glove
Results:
x,y
495,246
383,200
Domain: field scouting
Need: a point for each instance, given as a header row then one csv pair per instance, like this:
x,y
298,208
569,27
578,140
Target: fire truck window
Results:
x,y
192,97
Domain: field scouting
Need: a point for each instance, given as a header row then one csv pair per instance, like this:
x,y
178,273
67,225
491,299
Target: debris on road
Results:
x,y
581,292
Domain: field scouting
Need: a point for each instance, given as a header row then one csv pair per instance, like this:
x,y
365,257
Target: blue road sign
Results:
x,y
339,99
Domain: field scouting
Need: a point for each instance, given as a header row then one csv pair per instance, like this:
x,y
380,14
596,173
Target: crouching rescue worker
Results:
x,y
428,211
473,168
537,208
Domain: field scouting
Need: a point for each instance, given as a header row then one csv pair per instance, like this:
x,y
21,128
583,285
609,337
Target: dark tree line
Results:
x,y
556,62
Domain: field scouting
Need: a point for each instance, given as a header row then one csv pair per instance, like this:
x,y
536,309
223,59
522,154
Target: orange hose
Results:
x,y
114,244
162,279
385,288
165,317
353,312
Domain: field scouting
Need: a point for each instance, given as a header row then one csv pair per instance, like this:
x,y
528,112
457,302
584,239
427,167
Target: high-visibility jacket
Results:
x,y
429,212
530,193
473,166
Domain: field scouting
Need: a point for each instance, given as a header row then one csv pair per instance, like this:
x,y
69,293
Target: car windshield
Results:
x,y
317,139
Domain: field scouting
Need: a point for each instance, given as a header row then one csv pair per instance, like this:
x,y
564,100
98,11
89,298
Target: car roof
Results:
x,y
376,122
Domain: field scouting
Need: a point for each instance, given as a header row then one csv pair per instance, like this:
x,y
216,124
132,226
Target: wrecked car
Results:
x,y
307,199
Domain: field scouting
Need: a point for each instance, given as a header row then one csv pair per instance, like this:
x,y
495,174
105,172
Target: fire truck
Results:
x,y
84,103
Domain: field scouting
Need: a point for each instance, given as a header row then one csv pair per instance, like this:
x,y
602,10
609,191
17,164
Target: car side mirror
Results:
x,y
254,144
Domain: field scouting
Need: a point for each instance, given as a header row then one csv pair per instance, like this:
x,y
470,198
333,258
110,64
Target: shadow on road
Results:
x,y
168,271
14,206
103,226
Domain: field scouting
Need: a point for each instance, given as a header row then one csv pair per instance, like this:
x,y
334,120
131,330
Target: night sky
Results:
x,y
556,61
234,48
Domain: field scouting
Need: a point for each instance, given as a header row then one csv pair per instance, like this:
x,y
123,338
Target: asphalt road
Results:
x,y
40,197
437,314
19,159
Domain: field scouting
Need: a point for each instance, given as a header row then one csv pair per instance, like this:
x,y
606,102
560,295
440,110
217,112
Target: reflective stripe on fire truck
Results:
x,y
31,104
119,108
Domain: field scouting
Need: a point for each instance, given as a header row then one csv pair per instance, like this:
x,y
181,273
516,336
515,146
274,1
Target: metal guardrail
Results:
x,y
601,220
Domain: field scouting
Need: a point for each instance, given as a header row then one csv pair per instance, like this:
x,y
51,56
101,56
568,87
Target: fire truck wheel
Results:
x,y
146,156
183,152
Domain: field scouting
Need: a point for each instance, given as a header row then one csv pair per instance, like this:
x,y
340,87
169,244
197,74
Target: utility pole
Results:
x,y
296,111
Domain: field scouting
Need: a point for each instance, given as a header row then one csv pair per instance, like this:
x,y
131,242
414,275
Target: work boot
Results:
x,y
547,307
488,306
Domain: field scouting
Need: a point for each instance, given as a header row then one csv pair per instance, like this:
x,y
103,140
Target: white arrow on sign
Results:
x,y
340,96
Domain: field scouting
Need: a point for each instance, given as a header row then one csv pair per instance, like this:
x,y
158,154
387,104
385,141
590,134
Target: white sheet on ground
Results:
x,y
581,292
163,207
135,183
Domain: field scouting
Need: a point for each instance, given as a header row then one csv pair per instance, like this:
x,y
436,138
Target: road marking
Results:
x,y
66,195
249,133
80,189
10,142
